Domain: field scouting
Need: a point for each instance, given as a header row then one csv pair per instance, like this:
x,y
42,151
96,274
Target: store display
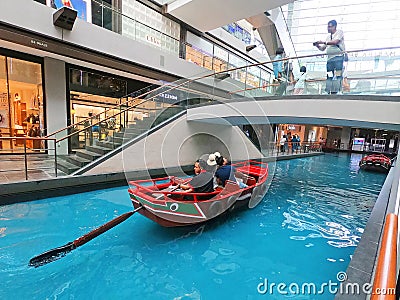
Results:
x,y
4,118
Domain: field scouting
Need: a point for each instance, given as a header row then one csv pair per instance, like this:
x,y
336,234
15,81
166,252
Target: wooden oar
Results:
x,y
57,253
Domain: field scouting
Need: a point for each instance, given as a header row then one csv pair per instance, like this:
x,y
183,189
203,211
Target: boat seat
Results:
x,y
200,196
230,187
250,181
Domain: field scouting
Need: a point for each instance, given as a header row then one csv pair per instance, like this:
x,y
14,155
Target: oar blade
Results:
x,y
51,255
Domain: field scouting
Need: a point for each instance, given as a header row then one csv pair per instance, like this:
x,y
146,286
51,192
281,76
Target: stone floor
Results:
x,y
40,166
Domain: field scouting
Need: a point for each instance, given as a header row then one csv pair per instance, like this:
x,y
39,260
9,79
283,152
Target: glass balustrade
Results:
x,y
367,72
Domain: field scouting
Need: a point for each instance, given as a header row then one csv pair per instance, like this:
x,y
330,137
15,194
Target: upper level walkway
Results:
x,y
339,110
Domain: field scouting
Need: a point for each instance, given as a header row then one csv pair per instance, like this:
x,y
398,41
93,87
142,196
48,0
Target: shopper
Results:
x,y
277,64
334,45
301,82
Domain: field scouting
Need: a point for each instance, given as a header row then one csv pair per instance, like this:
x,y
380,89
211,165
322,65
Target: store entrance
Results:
x,y
84,110
93,93
84,106
21,105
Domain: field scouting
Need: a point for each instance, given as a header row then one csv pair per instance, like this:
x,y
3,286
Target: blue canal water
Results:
x,y
305,231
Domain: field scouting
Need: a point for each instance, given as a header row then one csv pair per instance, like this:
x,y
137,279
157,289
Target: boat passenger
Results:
x,y
202,182
227,172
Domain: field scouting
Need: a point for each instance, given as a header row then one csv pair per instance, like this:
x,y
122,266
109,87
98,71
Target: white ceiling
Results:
x,y
206,15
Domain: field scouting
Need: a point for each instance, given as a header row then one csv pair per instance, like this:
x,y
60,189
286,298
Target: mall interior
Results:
x,y
81,81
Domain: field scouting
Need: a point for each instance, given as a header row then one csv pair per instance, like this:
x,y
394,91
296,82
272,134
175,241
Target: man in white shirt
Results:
x,y
335,47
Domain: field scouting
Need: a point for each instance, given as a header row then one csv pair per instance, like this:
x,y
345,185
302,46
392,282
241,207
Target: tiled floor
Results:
x,y
40,166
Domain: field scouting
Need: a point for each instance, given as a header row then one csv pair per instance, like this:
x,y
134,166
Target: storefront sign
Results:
x,y
38,43
291,127
153,40
168,96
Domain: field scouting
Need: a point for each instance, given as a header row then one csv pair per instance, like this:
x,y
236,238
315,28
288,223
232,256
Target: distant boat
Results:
x,y
169,207
376,163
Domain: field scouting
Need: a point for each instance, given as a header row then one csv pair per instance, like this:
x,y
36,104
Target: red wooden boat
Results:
x,y
169,207
376,163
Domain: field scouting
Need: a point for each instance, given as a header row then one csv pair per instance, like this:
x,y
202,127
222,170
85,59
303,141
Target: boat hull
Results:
x,y
375,168
375,163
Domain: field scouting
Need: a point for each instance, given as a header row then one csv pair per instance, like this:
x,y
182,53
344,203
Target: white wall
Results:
x,y
56,102
357,112
278,19
180,143
36,17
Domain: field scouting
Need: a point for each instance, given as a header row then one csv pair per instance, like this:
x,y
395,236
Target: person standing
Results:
x,y
277,64
334,45
282,143
301,82
278,72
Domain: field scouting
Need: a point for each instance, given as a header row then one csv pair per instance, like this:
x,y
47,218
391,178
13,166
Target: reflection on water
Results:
x,y
354,161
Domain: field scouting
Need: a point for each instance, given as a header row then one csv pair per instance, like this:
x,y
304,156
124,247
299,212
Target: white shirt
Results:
x,y
334,50
300,84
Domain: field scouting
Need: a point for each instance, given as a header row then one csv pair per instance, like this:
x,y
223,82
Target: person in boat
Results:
x,y
226,172
202,182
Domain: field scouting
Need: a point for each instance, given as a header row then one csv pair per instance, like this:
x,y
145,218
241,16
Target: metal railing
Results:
x,y
31,145
386,274
288,148
365,73
129,99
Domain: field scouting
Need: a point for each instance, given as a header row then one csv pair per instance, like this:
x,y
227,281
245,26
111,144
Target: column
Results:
x,y
56,101
345,137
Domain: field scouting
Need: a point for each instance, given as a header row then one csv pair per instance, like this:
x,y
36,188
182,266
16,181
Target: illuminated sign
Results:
x,y
38,43
168,96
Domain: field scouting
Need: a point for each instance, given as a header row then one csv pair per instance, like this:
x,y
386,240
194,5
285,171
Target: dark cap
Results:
x,y
333,23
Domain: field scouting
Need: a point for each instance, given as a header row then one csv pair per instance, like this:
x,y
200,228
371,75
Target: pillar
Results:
x,y
56,102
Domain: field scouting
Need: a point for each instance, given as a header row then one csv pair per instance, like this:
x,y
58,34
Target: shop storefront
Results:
x,y
374,140
306,133
21,99
91,93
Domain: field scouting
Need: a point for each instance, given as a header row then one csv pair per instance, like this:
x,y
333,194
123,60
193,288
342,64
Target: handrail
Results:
x,y
315,80
100,121
384,286
25,138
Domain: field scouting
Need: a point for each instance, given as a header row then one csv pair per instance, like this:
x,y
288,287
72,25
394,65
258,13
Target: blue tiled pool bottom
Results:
x,y
305,230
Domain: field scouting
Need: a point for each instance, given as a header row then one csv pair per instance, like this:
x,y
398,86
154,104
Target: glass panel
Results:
x,y
4,106
26,95
97,13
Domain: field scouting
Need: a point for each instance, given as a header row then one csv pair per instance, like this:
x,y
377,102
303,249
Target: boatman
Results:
x,y
202,182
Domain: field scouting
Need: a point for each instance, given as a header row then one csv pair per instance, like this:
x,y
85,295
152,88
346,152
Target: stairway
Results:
x,y
75,161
